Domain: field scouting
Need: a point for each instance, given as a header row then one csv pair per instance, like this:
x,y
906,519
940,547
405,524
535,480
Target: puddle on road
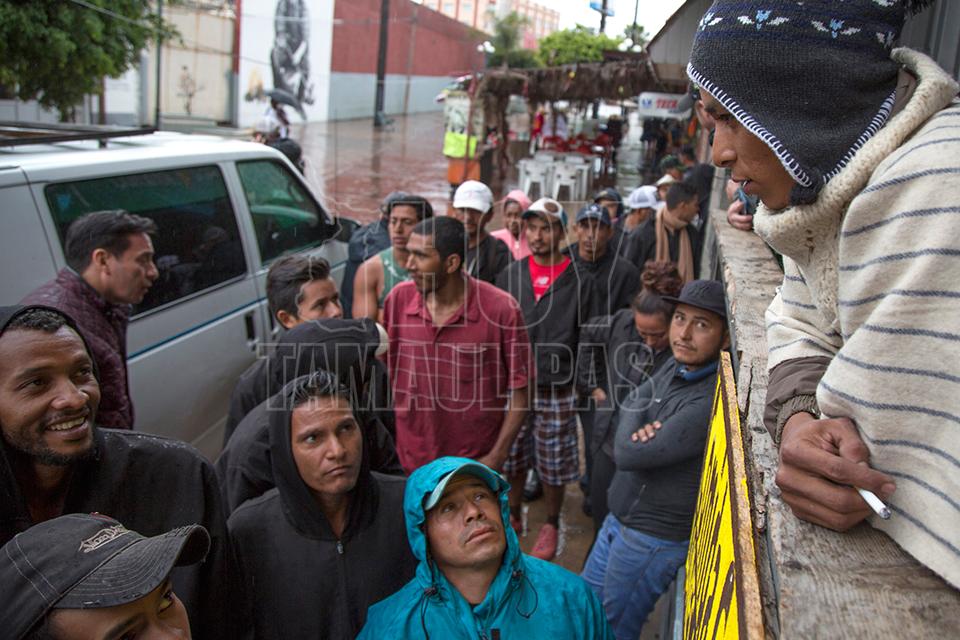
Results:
x,y
354,166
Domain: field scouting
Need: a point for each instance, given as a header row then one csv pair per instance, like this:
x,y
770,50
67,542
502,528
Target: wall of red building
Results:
x,y
441,46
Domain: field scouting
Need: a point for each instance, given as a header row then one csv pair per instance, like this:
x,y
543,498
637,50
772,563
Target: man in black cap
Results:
x,y
858,189
54,460
85,576
613,282
658,449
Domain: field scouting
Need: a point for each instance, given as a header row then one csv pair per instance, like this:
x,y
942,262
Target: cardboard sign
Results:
x,y
721,591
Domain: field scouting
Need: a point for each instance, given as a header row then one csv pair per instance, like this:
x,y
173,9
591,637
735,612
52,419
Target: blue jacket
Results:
x,y
529,598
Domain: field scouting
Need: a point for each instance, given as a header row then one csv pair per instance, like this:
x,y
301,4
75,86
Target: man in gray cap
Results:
x,y
85,576
658,450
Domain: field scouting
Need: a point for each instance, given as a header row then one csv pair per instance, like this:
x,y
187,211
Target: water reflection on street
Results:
x,y
354,166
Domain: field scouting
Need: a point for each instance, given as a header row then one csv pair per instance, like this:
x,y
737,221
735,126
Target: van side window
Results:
x,y
285,216
198,243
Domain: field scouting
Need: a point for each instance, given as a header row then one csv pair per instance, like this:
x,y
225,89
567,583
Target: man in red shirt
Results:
x,y
547,287
459,356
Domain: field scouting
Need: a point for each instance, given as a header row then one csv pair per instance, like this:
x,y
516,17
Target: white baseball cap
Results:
x,y
473,195
667,179
546,208
643,198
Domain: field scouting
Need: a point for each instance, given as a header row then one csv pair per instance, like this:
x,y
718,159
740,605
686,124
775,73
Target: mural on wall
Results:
x,y
285,52
290,57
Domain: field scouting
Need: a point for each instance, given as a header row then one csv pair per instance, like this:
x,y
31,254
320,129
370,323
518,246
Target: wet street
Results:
x,y
354,166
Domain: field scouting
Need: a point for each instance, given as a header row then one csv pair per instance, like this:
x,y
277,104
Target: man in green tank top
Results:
x,y
380,274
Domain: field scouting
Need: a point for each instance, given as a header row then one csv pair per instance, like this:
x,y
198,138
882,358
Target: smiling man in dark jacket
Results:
x,y
54,460
321,547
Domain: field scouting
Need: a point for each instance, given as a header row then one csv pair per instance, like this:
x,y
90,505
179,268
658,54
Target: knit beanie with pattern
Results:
x,y
814,80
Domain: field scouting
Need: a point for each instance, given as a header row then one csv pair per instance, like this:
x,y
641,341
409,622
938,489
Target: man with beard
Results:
x,y
54,460
321,547
377,277
458,358
472,580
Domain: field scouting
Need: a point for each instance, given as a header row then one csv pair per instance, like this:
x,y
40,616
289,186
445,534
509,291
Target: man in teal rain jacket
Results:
x,y
473,583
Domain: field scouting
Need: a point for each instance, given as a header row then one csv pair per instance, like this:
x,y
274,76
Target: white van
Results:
x,y
224,209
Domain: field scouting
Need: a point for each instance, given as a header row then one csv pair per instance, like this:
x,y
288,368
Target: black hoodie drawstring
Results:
x,y
428,593
520,573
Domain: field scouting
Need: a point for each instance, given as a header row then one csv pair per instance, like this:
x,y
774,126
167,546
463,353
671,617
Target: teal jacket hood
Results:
x,y
529,598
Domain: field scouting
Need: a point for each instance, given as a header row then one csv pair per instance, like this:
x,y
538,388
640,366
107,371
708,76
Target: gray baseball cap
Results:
x,y
81,561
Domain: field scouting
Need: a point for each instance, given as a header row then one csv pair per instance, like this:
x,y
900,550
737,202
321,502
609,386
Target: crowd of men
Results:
x,y
469,360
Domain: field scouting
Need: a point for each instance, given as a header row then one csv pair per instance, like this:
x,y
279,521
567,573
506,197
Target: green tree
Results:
x,y
580,44
56,51
507,43
636,35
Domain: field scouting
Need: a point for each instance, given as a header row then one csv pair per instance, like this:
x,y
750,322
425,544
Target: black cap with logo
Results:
x,y
81,561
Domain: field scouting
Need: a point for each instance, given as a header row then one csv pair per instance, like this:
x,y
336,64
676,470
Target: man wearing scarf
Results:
x,y
667,237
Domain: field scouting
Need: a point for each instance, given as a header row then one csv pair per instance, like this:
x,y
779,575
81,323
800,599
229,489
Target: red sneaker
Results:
x,y
546,545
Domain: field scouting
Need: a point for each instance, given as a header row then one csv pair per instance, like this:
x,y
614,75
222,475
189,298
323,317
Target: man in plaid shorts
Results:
x,y
546,284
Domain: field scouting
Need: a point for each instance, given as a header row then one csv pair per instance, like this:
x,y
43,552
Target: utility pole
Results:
x,y
636,7
603,27
156,107
379,117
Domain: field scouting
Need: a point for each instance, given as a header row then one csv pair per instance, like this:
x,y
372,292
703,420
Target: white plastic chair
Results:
x,y
544,156
567,175
535,173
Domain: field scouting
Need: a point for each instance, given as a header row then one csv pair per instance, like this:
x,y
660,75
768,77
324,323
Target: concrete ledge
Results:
x,y
815,583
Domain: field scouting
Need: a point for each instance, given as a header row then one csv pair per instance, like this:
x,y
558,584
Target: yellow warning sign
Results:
x,y
721,591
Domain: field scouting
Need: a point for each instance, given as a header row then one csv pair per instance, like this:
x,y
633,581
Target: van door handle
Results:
x,y
251,331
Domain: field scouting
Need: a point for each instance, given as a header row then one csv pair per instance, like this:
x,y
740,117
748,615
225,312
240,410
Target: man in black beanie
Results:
x,y
852,147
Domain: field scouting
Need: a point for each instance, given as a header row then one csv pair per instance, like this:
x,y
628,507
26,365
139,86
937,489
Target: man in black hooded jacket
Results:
x,y
54,460
325,544
345,347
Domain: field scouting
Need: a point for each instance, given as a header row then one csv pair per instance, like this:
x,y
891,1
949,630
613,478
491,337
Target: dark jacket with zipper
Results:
x,y
614,358
333,344
553,322
487,259
103,326
302,580
610,282
655,487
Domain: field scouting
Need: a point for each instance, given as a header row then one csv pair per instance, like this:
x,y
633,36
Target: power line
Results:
x,y
113,14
